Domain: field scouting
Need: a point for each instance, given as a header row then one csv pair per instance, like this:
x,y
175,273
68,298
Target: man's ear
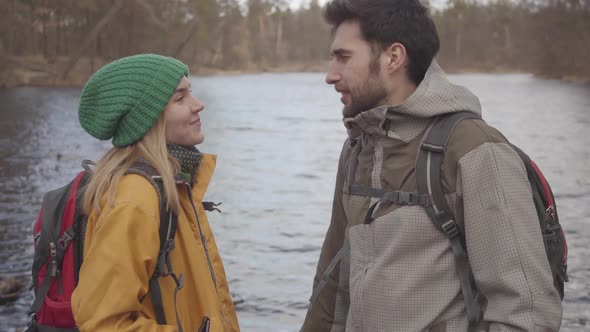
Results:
x,y
396,56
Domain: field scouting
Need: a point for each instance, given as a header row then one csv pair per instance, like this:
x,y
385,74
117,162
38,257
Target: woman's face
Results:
x,y
182,118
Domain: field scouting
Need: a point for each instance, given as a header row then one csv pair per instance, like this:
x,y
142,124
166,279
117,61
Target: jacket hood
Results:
x,y
434,96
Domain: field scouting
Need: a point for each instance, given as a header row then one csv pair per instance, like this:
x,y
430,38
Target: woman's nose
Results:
x,y
198,106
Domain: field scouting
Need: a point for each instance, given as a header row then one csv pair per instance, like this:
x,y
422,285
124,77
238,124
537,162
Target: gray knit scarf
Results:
x,y
189,159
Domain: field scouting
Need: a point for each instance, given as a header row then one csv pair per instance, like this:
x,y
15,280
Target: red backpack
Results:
x,y
59,249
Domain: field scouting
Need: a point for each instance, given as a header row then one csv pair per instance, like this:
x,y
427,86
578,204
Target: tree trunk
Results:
x,y
191,61
92,36
152,13
507,39
193,29
458,38
130,33
58,31
262,41
279,40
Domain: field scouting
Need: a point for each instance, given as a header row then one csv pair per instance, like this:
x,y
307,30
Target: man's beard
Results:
x,y
367,96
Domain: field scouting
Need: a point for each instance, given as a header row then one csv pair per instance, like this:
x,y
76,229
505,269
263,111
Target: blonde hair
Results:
x,y
114,164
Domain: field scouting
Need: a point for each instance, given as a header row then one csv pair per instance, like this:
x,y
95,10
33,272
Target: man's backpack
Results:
x,y
429,180
431,196
59,248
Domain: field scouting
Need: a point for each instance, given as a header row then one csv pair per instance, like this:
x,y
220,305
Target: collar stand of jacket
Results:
x,y
434,96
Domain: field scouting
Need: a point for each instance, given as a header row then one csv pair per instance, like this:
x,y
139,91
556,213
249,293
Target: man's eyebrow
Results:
x,y
339,51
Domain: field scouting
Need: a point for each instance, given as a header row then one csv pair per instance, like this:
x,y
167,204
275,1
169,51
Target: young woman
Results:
x,y
144,104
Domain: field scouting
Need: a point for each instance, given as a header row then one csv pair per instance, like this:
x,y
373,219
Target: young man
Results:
x,y
385,266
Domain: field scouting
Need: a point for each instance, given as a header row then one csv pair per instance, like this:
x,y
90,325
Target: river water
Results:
x,y
278,137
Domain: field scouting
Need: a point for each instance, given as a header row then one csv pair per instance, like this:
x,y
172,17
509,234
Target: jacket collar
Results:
x,y
203,176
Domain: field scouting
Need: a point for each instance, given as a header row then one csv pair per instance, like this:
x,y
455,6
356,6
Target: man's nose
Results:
x,y
333,75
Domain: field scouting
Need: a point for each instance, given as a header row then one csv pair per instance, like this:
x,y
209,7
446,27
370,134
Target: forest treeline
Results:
x,y
64,41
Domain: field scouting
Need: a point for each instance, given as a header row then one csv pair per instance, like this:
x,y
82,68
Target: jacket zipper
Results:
x,y
206,326
204,242
358,312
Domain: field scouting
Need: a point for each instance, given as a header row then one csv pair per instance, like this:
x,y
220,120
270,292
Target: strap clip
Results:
x,y
450,228
433,147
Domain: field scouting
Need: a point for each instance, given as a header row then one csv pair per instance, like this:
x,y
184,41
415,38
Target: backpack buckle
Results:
x,y
164,263
433,147
450,228
179,281
211,206
32,321
549,215
66,238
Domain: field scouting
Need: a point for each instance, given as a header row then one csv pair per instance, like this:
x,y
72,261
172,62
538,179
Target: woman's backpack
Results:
x,y
59,251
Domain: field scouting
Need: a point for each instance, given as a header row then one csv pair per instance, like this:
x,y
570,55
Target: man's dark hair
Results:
x,y
384,22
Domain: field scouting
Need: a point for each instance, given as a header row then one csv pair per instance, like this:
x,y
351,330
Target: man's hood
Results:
x,y
434,96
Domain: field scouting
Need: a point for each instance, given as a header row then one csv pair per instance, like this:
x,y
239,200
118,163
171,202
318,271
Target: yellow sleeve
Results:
x,y
119,257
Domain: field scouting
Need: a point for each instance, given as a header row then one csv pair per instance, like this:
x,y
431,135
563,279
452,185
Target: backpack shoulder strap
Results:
x,y
167,231
429,182
79,227
430,157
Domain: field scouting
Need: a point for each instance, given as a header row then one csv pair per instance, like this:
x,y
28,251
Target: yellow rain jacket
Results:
x,y
120,253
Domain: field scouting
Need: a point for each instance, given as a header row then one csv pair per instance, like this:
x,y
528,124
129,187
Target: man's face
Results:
x,y
355,70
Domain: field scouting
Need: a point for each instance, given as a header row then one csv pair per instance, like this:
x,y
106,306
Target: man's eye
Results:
x,y
180,98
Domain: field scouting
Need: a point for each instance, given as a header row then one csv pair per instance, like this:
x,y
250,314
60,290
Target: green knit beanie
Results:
x,y
124,99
